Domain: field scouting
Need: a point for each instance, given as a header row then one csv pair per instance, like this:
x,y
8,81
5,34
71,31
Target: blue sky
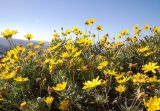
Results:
x,y
41,17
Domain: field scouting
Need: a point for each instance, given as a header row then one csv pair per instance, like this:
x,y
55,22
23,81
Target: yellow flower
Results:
x,y
7,33
90,21
119,76
93,83
152,79
28,36
156,29
151,66
83,68
75,29
146,27
37,47
123,79
85,41
49,100
23,105
31,54
99,27
64,105
153,104
55,36
148,54
69,42
139,78
118,43
69,47
124,32
110,72
81,32
20,49
65,55
54,47
41,42
21,79
1,99
143,49
29,44
99,57
7,75
77,54
120,88
87,22
135,38
102,65
136,32
119,36
136,26
64,34
104,39
68,31
60,86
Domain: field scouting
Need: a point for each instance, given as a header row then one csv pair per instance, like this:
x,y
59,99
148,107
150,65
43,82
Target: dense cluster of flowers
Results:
x,y
82,74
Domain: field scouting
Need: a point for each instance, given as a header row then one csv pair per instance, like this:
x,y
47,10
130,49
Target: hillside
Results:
x,y
4,44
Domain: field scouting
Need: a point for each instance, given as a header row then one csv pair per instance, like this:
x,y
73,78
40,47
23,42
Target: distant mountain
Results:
x,y
4,44
3,48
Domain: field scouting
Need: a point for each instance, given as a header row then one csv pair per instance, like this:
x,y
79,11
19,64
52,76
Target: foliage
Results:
x,y
88,73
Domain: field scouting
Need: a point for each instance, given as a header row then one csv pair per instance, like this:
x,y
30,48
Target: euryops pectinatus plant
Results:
x,y
87,73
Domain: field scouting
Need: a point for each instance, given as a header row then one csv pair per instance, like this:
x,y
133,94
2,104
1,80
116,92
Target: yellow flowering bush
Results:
x,y
82,71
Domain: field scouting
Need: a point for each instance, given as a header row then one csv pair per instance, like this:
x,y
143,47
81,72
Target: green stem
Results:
x,y
12,43
109,84
9,43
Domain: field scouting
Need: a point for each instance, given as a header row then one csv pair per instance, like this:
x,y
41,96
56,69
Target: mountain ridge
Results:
x,y
4,44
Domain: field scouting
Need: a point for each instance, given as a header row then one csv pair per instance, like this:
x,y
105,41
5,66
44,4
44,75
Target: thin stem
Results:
x,y
9,43
109,84
12,43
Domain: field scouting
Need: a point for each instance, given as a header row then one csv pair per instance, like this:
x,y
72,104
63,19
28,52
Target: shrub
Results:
x,y
88,73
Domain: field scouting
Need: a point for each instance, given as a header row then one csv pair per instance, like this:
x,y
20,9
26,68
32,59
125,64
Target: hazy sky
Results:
x,y
41,17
